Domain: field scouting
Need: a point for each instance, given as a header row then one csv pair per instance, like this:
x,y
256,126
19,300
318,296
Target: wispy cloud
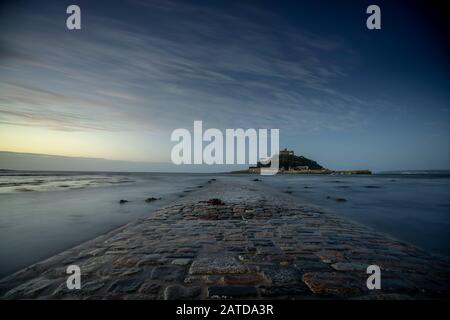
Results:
x,y
183,63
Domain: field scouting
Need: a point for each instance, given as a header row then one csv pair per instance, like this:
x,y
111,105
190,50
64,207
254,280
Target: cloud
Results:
x,y
183,63
30,106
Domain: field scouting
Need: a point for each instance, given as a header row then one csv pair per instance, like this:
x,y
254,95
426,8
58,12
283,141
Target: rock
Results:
x,y
92,286
149,260
215,202
311,265
243,279
329,256
150,288
333,283
204,279
30,288
340,200
281,275
168,274
151,199
350,266
122,201
264,234
181,255
217,265
181,262
126,285
231,291
130,271
178,292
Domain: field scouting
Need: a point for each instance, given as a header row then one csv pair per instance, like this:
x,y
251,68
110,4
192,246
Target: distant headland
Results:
x,y
289,163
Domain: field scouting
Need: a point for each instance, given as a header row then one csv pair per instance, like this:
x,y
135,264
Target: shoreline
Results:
x,y
260,244
256,171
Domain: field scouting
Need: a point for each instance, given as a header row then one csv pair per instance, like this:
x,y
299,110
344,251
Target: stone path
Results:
x,y
259,244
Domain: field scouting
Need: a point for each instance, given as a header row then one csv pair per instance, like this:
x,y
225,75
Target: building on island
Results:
x,y
286,152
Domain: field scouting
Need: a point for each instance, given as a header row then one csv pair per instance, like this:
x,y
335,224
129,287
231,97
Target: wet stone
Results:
x,y
149,260
178,292
168,274
126,285
181,256
332,283
268,250
350,266
309,265
69,260
243,279
181,262
281,275
204,279
329,256
217,265
127,272
92,286
32,287
150,288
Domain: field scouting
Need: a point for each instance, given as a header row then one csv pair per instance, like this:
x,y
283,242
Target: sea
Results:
x,y
44,213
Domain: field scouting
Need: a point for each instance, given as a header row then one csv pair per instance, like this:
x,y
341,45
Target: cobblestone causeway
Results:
x,y
259,243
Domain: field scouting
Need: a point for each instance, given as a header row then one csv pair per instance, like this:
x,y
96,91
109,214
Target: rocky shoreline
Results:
x,y
237,239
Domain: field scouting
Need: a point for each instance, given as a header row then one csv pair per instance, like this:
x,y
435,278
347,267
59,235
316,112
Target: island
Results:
x,y
289,163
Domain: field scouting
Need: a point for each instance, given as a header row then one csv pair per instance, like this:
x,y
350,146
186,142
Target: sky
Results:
x,y
343,95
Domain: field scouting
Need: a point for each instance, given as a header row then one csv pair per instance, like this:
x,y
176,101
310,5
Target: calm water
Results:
x,y
411,207
45,213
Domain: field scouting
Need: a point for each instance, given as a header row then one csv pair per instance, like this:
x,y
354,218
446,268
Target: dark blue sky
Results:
x,y
341,94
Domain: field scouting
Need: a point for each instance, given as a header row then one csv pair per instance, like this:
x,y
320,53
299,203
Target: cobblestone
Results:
x,y
255,242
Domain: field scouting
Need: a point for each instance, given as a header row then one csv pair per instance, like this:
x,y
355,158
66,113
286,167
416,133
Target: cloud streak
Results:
x,y
184,63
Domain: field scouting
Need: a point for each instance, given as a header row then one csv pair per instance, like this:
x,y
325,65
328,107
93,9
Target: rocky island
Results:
x,y
289,163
